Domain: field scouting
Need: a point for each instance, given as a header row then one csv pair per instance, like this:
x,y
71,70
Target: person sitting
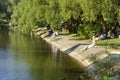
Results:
x,y
98,34
110,34
103,36
48,26
55,34
93,44
50,32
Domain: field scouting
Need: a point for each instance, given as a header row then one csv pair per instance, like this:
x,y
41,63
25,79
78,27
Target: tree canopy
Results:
x,y
79,15
4,14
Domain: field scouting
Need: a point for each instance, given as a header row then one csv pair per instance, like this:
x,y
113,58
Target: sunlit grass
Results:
x,y
112,43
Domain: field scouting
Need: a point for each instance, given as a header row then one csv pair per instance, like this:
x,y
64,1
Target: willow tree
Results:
x,y
108,10
3,9
71,13
52,13
40,6
23,16
103,12
15,13
28,14
116,17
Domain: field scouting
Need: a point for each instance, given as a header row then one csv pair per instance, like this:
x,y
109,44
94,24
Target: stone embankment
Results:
x,y
98,61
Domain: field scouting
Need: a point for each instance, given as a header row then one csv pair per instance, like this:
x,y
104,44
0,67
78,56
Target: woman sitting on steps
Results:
x,y
93,44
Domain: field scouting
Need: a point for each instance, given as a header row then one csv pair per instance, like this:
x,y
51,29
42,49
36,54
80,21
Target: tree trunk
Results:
x,y
72,25
103,23
114,26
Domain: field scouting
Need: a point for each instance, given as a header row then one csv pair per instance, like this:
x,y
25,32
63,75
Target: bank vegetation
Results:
x,y
81,17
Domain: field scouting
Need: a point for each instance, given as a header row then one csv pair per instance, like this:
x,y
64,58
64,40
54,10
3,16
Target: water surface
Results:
x,y
26,58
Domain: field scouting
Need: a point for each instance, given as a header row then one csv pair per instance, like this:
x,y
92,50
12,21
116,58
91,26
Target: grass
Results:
x,y
111,43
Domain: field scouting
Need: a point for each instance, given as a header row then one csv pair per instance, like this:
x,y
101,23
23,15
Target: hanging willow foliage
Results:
x,y
30,14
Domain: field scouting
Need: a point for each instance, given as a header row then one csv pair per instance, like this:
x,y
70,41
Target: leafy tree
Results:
x,y
52,13
4,17
71,12
29,14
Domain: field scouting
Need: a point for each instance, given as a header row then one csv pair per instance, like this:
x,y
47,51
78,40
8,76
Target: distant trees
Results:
x,y
3,9
84,17
4,14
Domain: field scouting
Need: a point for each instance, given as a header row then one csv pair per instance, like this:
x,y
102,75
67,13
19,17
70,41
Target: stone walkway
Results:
x,y
96,60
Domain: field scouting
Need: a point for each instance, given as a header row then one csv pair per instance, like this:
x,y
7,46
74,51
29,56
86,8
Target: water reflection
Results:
x,y
11,69
54,50
26,58
4,41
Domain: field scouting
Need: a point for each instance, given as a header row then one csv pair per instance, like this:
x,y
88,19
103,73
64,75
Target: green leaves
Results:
x,y
30,14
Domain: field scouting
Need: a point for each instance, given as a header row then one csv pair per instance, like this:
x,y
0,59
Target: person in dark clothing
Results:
x,y
48,26
50,32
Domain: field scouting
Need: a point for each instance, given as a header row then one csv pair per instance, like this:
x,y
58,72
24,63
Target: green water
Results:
x,y
26,58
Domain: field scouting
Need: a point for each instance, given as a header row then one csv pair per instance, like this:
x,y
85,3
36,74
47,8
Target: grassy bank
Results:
x,y
109,43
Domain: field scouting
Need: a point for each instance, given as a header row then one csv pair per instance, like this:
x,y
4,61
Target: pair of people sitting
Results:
x,y
105,35
54,34
98,37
